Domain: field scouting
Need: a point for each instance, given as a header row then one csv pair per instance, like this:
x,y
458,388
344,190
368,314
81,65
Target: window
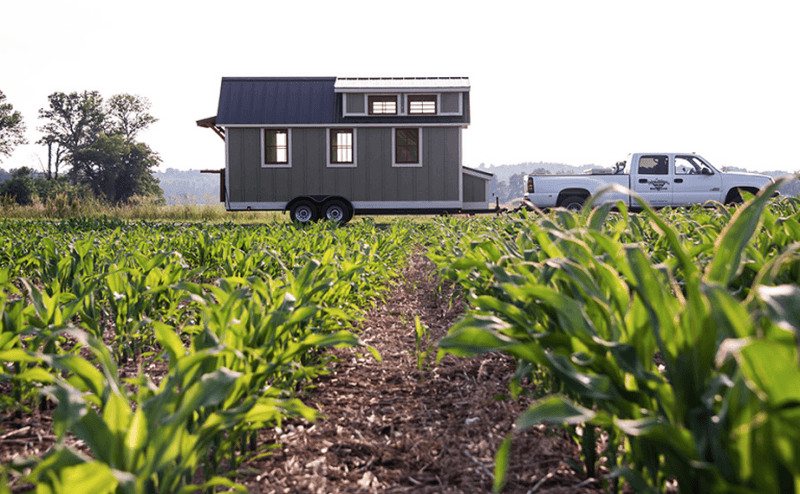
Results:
x,y
654,165
341,147
422,105
691,165
407,147
382,105
276,147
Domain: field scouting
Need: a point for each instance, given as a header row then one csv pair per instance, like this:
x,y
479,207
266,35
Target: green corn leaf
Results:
x,y
211,484
18,355
784,306
211,390
553,410
772,369
97,435
475,335
569,311
501,464
117,414
95,477
135,440
731,244
170,341
35,374
587,386
84,375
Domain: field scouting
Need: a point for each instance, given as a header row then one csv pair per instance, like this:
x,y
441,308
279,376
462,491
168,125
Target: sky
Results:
x,y
574,82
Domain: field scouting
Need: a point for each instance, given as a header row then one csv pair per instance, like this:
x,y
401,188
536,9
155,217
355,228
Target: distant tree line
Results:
x,y
92,148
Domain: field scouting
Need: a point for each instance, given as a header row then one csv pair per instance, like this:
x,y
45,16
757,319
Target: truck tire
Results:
x,y
336,210
573,203
303,212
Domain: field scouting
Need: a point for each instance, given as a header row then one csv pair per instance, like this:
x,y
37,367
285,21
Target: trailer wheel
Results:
x,y
336,210
573,203
303,212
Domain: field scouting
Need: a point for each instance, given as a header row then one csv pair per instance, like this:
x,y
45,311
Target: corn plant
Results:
x,y
594,297
240,315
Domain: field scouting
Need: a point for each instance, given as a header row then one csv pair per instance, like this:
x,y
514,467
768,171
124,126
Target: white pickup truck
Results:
x,y
662,179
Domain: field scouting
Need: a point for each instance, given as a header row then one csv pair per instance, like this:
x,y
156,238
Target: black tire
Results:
x,y
303,212
735,196
573,203
336,210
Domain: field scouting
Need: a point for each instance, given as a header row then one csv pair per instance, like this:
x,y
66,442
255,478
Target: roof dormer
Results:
x,y
402,96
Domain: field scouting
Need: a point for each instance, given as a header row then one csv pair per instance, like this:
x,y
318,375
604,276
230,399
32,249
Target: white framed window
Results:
x,y
341,144
422,104
407,147
382,104
276,146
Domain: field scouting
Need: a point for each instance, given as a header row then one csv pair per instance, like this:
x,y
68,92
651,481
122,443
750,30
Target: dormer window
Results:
x,y
382,105
422,104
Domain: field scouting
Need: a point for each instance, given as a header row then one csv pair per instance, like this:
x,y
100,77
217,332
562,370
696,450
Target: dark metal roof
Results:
x,y
276,100
301,101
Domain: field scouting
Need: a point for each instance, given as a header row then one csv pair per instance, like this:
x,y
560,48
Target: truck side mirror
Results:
x,y
706,171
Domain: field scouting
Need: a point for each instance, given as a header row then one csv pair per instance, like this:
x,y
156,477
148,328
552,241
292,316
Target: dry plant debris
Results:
x,y
390,427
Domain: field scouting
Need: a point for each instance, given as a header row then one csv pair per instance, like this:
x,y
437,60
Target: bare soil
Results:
x,y
390,426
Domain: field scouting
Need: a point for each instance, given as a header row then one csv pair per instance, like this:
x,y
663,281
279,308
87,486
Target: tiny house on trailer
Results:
x,y
328,147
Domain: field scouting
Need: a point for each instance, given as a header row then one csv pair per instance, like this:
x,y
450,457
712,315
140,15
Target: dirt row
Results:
x,y
390,427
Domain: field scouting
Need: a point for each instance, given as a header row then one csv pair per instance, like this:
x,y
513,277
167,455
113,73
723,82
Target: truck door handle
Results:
x,y
642,180
678,180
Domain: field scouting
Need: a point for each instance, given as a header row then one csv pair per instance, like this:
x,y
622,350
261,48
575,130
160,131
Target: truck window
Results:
x,y
690,165
654,165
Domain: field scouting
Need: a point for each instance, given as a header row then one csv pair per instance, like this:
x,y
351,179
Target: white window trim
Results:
x,y
288,163
354,164
394,150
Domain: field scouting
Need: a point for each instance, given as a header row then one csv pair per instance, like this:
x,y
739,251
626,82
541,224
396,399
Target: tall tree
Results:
x,y
129,114
73,122
12,128
117,169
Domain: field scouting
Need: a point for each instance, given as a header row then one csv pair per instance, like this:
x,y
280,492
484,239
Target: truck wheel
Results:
x,y
337,211
573,203
303,212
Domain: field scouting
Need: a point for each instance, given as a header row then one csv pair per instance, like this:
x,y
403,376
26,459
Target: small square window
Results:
x,y
422,105
382,105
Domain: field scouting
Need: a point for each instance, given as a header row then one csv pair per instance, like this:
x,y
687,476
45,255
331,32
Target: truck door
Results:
x,y
695,181
653,179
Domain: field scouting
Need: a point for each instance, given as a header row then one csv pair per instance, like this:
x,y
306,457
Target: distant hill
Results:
x,y
188,186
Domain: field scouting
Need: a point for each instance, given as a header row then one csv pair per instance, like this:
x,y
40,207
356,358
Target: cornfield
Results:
x,y
672,334
670,337
238,315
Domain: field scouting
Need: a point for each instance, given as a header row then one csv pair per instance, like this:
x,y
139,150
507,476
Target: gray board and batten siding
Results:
x,y
310,108
373,179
